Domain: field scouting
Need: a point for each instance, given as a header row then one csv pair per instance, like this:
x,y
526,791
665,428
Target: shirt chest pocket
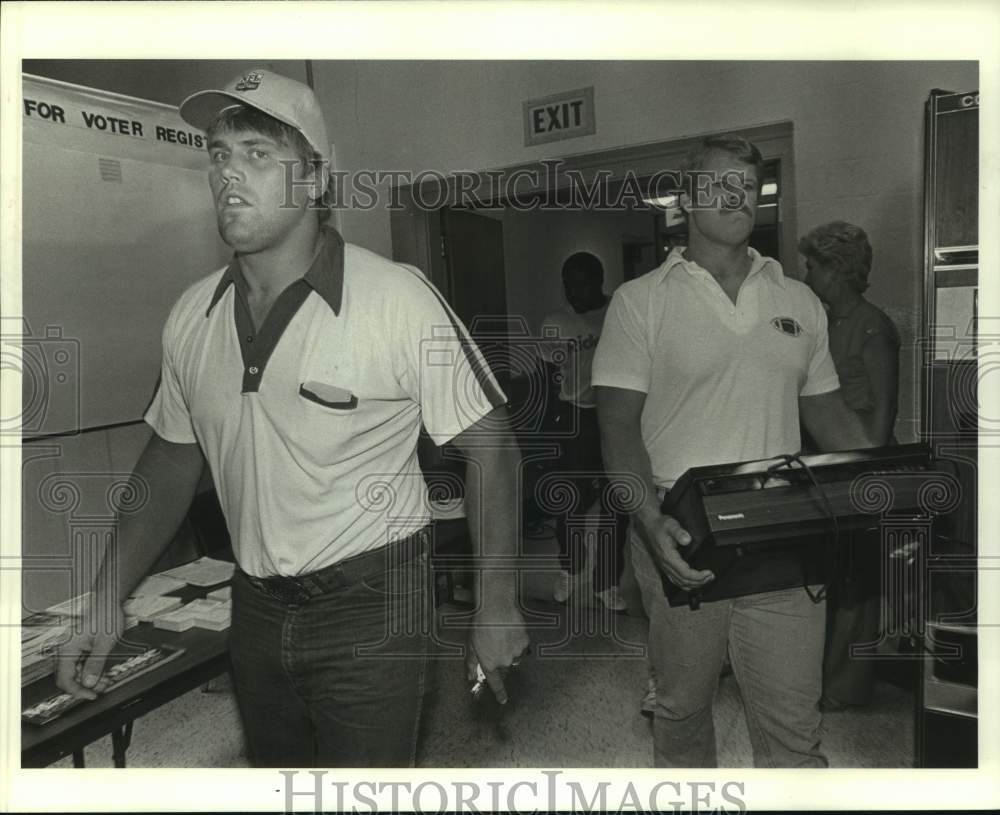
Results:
x,y
328,396
325,418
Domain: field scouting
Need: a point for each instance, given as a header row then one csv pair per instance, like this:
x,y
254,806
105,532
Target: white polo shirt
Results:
x,y
722,379
310,424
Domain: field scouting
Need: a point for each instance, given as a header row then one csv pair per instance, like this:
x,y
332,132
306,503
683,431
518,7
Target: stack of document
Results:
x,y
156,585
43,632
204,571
212,614
146,608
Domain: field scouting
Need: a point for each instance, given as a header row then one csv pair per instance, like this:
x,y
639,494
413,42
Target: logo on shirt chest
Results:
x,y
787,325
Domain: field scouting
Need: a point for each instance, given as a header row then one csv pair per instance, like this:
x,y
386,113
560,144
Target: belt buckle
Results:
x,y
295,591
283,589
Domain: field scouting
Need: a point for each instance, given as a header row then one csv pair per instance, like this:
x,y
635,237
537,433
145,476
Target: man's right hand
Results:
x,y
80,662
662,536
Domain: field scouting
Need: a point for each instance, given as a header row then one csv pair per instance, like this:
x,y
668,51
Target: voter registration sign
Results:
x,y
560,116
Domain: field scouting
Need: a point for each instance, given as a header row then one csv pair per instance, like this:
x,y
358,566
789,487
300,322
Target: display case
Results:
x,y
947,705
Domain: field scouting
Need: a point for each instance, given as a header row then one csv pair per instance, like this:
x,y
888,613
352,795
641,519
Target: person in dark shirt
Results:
x,y
864,342
578,327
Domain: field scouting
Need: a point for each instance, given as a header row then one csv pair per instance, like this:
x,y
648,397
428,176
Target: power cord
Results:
x,y
831,549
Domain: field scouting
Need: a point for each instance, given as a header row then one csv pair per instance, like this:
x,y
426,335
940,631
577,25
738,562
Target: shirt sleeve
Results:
x,y
622,359
168,413
822,375
444,370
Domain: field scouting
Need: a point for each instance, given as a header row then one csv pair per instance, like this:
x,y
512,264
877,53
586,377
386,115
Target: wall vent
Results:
x,y
111,169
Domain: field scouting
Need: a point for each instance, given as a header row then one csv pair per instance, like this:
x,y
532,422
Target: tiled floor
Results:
x,y
574,703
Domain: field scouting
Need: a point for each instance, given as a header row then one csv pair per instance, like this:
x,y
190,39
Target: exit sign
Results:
x,y
560,116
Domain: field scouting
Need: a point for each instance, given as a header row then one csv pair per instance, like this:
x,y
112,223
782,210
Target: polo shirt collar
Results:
x,y
325,275
758,265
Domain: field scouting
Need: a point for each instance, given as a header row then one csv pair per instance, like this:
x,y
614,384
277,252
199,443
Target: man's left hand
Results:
x,y
497,642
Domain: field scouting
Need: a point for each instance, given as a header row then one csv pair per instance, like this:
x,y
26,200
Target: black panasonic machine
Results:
x,y
778,523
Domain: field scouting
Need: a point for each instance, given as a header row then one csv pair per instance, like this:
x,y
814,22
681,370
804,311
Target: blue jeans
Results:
x,y
775,646
334,676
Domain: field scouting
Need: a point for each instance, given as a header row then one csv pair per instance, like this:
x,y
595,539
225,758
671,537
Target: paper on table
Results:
x,y
216,619
204,606
203,613
176,620
157,584
146,608
204,571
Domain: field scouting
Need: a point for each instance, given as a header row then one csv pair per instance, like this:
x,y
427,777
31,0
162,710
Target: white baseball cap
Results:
x,y
285,99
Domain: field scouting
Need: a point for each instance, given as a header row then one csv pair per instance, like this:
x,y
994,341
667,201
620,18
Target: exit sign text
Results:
x,y
560,116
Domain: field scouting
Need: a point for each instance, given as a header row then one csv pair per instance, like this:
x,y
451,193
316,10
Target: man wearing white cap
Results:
x,y
302,373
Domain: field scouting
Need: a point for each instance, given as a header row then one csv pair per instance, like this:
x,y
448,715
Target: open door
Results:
x,y
476,286
473,249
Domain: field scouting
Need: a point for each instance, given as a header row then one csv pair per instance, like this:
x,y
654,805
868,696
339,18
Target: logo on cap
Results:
x,y
250,82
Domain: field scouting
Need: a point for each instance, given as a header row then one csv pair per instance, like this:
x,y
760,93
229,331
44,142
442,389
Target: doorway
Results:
x,y
600,202
545,189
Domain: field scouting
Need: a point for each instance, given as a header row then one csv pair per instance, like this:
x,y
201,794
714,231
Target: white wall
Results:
x,y
858,137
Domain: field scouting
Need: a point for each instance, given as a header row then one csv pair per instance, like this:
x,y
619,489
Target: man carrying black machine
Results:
x,y
302,374
712,358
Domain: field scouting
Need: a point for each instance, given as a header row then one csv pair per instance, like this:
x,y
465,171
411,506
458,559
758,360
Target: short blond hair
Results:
x,y
843,247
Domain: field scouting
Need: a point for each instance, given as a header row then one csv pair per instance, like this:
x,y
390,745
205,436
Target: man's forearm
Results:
x,y
492,509
832,424
879,424
619,412
165,479
625,457
847,431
